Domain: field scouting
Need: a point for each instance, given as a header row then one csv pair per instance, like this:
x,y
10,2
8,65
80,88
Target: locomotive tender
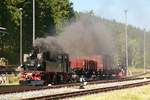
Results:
x,y
47,68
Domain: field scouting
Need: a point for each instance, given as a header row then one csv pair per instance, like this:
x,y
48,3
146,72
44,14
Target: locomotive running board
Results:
x,y
36,82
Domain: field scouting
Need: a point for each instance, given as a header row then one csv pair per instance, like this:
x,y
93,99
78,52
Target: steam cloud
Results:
x,y
87,36
48,44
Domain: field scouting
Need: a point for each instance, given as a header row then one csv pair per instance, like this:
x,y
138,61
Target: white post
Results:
x,y
21,35
144,51
33,21
126,32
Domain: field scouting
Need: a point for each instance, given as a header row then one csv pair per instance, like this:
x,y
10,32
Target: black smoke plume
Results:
x,y
87,36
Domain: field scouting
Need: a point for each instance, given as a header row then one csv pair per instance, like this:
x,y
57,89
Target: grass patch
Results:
x,y
135,70
137,93
13,79
10,79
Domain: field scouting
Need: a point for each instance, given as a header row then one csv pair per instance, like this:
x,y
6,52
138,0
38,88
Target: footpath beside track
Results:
x,y
63,92
89,91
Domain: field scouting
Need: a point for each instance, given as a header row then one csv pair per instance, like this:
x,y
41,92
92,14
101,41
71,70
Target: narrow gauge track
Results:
x,y
90,91
19,88
137,74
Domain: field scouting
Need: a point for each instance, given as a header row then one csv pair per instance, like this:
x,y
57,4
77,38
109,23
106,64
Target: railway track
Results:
x,y
89,91
137,74
18,88
40,94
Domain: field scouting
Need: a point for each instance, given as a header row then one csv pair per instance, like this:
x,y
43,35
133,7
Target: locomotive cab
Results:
x,y
57,68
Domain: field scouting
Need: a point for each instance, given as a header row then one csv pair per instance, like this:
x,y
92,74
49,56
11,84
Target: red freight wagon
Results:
x,y
90,62
77,63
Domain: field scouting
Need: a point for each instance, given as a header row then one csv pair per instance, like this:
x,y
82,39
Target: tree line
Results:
x,y
50,15
135,41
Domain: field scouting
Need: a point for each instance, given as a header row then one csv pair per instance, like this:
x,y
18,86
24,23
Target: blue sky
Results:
x,y
138,10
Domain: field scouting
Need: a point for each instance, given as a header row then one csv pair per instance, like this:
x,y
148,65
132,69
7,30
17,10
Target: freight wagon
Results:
x,y
99,66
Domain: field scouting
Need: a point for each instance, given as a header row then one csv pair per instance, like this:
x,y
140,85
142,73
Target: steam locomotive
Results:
x,y
56,68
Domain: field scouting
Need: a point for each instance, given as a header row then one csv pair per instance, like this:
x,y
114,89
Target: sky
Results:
x,y
138,11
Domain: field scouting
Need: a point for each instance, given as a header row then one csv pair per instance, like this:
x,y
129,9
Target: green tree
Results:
x,y
62,11
50,15
9,18
44,22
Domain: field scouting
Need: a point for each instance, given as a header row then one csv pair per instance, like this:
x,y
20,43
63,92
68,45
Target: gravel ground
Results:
x,y
29,94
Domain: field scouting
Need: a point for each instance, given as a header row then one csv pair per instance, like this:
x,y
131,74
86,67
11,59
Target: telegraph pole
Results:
x,y
126,32
20,35
144,51
33,21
